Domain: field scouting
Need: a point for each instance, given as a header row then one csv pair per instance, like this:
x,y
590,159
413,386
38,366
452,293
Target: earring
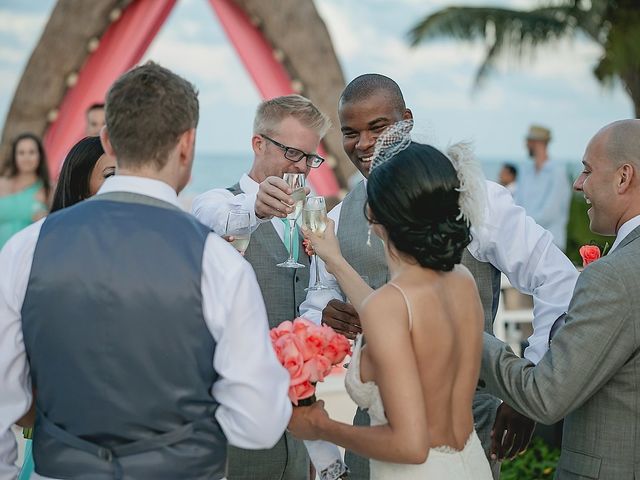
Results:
x,y
369,236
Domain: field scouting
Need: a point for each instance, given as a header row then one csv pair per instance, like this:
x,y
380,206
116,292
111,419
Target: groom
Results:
x,y
590,373
144,333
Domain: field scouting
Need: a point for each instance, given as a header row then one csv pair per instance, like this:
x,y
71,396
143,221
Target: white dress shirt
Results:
x,y
626,228
514,244
252,386
212,207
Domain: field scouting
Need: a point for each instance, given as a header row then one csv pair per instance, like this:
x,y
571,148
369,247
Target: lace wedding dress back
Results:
x,y
443,463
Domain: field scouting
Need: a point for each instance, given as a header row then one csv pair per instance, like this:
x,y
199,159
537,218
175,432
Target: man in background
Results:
x,y
507,177
95,119
543,187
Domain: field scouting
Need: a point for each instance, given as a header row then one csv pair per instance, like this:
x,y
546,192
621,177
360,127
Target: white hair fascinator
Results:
x,y
473,187
394,139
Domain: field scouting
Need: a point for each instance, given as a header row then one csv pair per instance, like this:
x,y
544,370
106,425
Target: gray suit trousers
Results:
x,y
288,460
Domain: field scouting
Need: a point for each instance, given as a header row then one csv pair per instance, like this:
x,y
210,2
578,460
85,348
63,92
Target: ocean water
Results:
x,y
221,170
217,170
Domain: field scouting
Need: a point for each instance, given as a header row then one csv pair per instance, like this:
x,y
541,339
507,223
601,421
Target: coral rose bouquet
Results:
x,y
309,352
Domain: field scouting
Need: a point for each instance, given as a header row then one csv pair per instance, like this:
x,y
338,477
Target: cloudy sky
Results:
x,y
555,88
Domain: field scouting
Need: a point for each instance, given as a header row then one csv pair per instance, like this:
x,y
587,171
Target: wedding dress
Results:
x,y
443,463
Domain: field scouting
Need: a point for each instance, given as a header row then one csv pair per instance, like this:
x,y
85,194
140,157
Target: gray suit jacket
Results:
x,y
591,373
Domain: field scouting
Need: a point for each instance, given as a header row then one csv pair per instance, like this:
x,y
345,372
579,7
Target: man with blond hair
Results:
x,y
286,134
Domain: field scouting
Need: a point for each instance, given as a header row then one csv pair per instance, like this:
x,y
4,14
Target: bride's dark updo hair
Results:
x,y
414,197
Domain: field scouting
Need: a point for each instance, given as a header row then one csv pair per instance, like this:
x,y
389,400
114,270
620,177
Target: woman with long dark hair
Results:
x,y
24,186
418,372
84,170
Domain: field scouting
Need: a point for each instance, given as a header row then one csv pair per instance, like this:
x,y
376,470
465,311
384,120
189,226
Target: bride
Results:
x,y
418,371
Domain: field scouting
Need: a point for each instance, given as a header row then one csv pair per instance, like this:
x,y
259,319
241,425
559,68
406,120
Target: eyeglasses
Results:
x,y
295,155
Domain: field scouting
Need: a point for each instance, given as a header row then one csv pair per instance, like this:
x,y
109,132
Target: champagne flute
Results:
x,y
239,227
314,217
296,183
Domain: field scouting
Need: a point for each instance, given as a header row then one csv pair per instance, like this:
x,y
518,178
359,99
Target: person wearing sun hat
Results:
x,y
543,186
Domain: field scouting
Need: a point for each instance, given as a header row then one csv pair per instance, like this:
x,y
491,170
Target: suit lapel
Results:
x,y
635,233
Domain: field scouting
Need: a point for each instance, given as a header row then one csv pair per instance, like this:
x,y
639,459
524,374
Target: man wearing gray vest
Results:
x,y
286,134
509,242
144,333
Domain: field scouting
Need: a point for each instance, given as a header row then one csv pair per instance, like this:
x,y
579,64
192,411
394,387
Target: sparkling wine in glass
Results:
x,y
296,183
239,227
314,217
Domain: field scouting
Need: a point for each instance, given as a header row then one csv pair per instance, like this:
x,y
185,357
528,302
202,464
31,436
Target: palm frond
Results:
x,y
622,49
515,32
470,23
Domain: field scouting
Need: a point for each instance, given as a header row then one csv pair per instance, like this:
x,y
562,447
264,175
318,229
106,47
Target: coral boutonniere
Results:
x,y
591,253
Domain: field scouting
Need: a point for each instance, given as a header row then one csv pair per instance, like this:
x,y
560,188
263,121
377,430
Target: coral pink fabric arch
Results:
x,y
123,45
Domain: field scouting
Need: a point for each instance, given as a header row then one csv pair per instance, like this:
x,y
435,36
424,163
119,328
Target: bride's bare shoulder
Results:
x,y
381,301
381,295
463,277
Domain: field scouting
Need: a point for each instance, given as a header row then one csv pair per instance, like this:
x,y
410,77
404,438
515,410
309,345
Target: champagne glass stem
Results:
x,y
292,228
315,257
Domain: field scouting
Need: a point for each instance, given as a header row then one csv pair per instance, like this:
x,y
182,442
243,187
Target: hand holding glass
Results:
x,y
296,183
239,227
314,217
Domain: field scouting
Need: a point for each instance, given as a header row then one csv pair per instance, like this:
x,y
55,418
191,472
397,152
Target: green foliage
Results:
x,y
537,463
578,233
504,31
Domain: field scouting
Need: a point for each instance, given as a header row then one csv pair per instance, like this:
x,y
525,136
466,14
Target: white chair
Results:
x,y
506,325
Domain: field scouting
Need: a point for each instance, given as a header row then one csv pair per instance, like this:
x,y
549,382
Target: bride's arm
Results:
x,y
351,283
405,438
327,247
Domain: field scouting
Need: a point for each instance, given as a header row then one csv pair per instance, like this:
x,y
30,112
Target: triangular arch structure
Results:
x,y
120,48
125,41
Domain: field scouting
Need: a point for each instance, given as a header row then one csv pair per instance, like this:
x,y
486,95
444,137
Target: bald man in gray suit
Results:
x,y
591,373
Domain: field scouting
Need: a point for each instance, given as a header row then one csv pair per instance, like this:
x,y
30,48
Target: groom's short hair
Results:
x,y
147,110
362,87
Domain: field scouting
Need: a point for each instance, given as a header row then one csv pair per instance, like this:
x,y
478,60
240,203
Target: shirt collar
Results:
x,y
141,185
626,228
248,185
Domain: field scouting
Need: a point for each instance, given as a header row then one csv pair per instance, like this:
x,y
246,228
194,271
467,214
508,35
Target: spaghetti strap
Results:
x,y
406,301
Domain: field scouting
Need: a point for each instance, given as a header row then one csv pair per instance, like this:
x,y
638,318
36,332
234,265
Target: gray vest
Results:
x,y
370,261
119,351
282,288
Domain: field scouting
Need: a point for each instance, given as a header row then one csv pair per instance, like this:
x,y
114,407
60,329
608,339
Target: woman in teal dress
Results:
x,y
83,172
24,186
